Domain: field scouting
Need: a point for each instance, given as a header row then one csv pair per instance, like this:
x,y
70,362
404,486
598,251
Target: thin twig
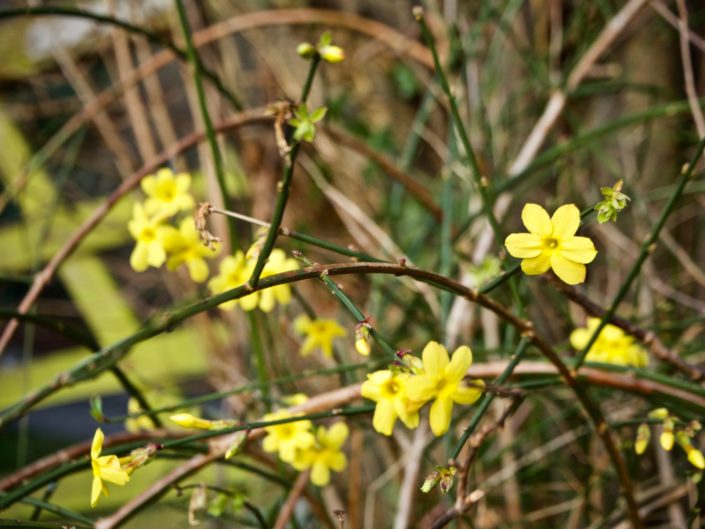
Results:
x,y
288,508
688,69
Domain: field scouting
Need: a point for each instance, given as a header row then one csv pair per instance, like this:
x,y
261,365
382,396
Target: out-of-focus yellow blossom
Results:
x,y
184,246
387,389
552,243
695,456
149,233
643,436
105,468
236,270
442,381
186,420
287,438
612,346
295,400
667,437
319,333
167,193
325,455
139,423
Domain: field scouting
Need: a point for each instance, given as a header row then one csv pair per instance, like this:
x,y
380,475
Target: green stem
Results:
x,y
106,19
489,397
284,187
647,247
195,61
58,510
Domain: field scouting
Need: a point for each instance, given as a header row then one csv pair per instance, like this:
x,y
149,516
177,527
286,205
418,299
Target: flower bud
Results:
x,y
305,50
332,54
643,436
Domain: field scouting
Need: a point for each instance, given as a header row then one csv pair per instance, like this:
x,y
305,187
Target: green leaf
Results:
x,y
318,114
96,404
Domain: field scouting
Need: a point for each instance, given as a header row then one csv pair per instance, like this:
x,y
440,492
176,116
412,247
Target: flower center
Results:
x,y
551,243
391,388
166,193
148,234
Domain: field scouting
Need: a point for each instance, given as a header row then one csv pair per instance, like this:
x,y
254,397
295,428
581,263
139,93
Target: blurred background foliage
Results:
x,y
74,125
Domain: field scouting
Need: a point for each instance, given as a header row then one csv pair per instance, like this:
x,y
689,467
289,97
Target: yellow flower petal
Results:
x,y
320,475
420,388
578,249
523,245
536,220
460,363
468,394
338,461
198,270
96,489
384,417
97,445
536,265
579,338
568,271
566,221
435,359
440,415
336,435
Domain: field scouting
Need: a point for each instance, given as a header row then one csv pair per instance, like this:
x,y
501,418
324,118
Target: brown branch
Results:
x,y
463,500
648,338
288,508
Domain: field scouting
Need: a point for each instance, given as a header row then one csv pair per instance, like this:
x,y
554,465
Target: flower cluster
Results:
x,y
673,431
401,391
320,333
552,243
614,201
612,345
304,448
157,241
235,271
324,49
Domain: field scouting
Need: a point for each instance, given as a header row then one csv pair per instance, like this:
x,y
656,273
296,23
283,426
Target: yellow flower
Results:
x,y
551,243
184,246
319,333
168,193
105,468
387,389
140,423
325,455
287,438
236,270
612,346
149,233
442,380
